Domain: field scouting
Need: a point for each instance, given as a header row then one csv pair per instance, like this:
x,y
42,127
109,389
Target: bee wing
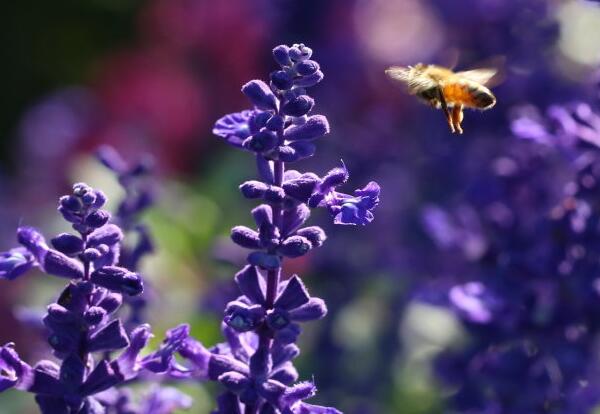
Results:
x,y
399,73
415,83
482,76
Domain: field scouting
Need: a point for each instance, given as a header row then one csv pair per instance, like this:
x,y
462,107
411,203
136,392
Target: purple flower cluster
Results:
x,y
528,287
262,325
139,196
83,330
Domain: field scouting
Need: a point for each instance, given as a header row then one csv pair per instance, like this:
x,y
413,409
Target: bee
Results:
x,y
451,91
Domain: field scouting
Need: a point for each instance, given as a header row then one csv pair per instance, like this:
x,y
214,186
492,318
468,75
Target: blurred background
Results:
x,y
151,77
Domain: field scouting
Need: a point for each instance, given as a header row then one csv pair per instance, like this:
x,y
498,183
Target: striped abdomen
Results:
x,y
469,94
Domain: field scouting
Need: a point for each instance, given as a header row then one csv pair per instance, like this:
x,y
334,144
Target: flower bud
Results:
x,y
299,52
298,106
91,254
257,121
306,67
281,55
274,194
286,153
110,234
245,237
100,199
275,123
302,187
57,264
111,302
97,218
262,141
316,126
70,203
94,315
68,244
262,214
253,189
118,279
88,198
234,381
335,177
295,246
281,80
79,189
260,95
314,234
309,80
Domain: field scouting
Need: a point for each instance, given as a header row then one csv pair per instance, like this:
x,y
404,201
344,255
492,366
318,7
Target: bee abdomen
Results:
x,y
469,94
483,98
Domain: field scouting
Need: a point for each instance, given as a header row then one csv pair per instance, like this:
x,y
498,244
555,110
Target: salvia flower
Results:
x,y
526,283
261,326
139,196
82,321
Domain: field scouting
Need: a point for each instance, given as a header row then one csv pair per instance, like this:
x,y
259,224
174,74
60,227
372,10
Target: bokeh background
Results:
x,y
151,77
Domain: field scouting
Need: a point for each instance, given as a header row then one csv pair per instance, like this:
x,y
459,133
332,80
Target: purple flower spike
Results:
x,y
82,321
261,326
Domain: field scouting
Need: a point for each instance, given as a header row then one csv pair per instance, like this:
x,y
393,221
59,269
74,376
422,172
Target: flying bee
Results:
x,y
451,91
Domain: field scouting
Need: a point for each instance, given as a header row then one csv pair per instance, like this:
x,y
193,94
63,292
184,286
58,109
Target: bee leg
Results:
x,y
446,110
457,118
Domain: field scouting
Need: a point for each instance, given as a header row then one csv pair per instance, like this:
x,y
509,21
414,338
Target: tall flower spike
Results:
x,y
261,326
82,321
